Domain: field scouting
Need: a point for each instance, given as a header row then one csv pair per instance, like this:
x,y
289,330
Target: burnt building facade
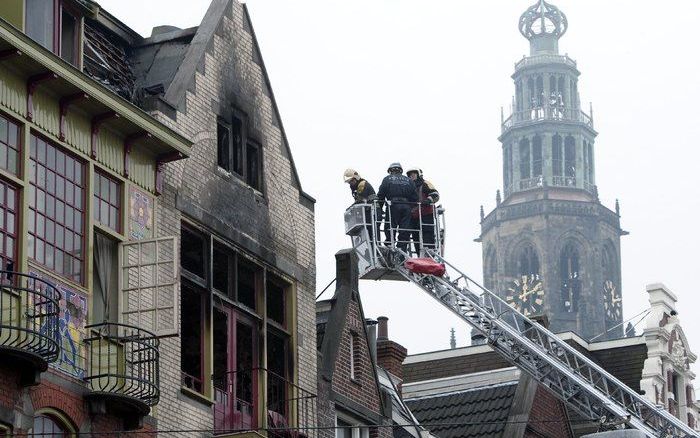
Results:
x,y
158,264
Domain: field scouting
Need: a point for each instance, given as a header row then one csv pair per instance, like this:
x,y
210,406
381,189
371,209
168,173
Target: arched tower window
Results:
x,y
561,89
507,166
528,262
51,425
540,91
557,162
524,158
537,156
491,270
519,96
570,160
586,163
591,163
553,84
532,98
569,271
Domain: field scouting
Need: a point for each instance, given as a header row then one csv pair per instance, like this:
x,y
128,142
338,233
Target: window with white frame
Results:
x,y
148,289
349,427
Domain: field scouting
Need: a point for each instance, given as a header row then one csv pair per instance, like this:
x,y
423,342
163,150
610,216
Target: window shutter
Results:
x,y
148,285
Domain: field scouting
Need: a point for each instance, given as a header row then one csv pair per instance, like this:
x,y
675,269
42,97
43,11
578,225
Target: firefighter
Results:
x,y
423,214
401,192
363,193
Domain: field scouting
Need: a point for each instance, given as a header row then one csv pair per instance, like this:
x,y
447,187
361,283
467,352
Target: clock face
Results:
x,y
612,300
526,295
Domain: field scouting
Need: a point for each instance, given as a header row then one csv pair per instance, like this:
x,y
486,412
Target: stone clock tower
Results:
x,y
550,247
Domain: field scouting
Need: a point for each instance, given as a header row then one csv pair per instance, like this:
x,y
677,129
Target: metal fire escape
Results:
x,y
568,374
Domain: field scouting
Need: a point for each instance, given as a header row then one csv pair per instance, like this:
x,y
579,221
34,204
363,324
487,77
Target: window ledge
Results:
x,y
223,172
194,395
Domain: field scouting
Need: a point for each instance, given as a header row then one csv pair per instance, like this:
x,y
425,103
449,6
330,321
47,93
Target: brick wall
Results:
x,y
362,389
275,227
548,417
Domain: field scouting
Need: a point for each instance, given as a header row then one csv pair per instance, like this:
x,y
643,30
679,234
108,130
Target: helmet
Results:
x,y
350,174
395,166
415,169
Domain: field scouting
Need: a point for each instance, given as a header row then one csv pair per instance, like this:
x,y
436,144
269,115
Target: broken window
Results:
x,y
192,253
537,156
223,263
56,210
557,161
237,144
253,165
278,371
193,304
223,146
276,296
524,158
248,282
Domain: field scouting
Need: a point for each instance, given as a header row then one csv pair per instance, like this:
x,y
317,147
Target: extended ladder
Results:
x,y
568,374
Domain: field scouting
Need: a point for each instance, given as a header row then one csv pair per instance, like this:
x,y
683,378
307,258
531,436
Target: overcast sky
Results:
x,y
363,83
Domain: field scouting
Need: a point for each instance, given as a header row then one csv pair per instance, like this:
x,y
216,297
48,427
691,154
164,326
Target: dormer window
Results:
x,y
50,24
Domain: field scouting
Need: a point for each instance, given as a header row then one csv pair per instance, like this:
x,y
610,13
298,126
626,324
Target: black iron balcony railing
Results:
x,y
29,317
290,409
123,363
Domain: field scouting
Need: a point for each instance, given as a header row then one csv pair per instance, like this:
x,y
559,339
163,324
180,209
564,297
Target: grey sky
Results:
x,y
363,83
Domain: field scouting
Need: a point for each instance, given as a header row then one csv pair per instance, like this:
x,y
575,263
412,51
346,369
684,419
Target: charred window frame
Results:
x,y
236,152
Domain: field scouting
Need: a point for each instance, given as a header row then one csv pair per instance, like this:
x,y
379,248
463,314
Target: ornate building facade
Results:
x,y
550,247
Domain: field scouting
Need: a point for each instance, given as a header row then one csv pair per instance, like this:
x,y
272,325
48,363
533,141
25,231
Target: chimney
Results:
x,y
390,355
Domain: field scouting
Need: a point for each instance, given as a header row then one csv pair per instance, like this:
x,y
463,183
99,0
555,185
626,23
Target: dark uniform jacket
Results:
x,y
363,192
397,187
426,191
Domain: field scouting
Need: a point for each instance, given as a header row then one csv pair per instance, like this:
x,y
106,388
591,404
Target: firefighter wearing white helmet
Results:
x,y
362,191
424,214
398,189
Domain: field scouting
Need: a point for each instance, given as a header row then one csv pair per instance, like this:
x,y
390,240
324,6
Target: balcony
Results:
x,y
289,408
554,181
29,324
122,373
546,113
530,61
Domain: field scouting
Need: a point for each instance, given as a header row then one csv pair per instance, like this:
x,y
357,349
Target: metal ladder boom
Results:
x,y
568,374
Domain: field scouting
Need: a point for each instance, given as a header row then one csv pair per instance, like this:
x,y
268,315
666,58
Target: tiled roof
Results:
x,y
481,412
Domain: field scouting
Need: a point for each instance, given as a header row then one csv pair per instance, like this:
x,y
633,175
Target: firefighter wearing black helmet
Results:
x,y
401,191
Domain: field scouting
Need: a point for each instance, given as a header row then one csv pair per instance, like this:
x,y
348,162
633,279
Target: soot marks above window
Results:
x,y
237,153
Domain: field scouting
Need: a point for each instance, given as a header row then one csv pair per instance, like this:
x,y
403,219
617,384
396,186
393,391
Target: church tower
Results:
x,y
550,247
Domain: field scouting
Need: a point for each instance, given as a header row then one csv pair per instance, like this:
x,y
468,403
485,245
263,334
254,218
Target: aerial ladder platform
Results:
x,y
569,375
